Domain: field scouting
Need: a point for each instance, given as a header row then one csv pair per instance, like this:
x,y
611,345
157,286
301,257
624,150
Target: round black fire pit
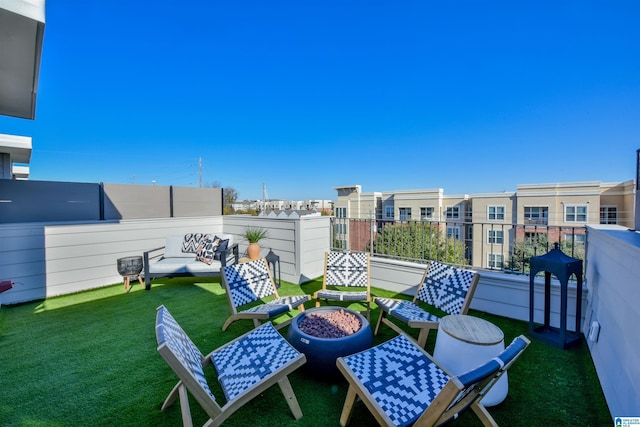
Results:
x,y
337,340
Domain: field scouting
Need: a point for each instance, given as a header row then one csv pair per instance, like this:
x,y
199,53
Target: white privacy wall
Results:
x,y
49,259
53,259
613,280
299,242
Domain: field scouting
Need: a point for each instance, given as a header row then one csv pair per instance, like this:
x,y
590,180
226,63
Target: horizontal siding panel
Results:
x,y
23,256
21,243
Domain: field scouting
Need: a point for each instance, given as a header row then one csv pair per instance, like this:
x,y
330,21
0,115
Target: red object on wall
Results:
x,y
5,285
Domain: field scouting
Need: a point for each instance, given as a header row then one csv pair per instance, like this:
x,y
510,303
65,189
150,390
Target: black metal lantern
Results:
x,y
563,267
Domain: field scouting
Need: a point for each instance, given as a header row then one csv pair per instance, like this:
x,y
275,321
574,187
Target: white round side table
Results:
x,y
464,343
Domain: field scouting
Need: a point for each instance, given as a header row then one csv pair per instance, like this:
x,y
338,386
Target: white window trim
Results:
x,y
544,219
489,231
575,213
504,213
426,208
489,255
407,213
454,209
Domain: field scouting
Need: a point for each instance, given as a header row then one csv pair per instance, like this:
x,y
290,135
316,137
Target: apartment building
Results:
x,y
491,224
317,205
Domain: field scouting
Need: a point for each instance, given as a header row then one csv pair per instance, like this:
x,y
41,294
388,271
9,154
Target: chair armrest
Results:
x,y
152,254
233,249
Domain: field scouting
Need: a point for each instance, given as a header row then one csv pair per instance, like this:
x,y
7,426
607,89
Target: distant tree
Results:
x,y
230,196
537,244
419,240
248,211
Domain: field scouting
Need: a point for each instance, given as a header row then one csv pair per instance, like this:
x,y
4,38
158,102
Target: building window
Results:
x,y
495,261
453,232
453,212
608,214
537,215
575,213
426,213
341,212
578,239
388,212
533,238
495,237
340,228
405,214
341,244
495,213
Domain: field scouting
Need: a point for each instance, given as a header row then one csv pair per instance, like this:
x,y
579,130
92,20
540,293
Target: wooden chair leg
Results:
x,y
484,415
382,314
172,396
184,407
422,337
290,397
347,409
127,284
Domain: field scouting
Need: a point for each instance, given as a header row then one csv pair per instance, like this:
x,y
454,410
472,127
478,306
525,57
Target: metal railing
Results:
x,y
489,245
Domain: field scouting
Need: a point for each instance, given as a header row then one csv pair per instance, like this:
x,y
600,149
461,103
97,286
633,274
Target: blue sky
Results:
x,y
304,96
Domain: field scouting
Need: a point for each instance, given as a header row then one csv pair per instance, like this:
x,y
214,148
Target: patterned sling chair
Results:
x,y
346,278
402,385
447,288
246,367
248,282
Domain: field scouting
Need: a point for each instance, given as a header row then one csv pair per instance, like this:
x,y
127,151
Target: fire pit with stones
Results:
x,y
325,333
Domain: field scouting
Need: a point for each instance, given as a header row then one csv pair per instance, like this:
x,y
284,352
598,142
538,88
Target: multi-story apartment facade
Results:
x,y
325,206
492,224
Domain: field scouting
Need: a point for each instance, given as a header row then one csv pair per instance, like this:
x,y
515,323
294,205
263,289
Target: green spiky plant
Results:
x,y
255,234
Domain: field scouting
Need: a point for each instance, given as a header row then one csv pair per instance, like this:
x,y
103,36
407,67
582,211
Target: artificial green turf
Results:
x,y
90,359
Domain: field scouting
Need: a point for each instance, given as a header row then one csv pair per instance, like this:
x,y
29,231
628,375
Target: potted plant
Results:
x,y
253,236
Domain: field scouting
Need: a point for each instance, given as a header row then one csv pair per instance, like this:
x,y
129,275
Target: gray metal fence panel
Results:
x,y
41,201
52,201
122,201
190,201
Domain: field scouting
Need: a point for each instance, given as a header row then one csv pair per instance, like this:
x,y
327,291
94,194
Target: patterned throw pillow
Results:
x,y
191,242
207,249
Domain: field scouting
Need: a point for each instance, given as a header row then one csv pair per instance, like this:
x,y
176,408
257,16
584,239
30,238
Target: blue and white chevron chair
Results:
x,y
246,367
248,282
402,385
447,288
346,278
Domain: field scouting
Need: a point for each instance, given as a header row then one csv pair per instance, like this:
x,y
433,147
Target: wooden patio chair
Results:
x,y
402,385
246,367
447,288
344,270
248,282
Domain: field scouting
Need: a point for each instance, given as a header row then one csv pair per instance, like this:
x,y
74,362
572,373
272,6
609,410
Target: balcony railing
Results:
x,y
489,245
